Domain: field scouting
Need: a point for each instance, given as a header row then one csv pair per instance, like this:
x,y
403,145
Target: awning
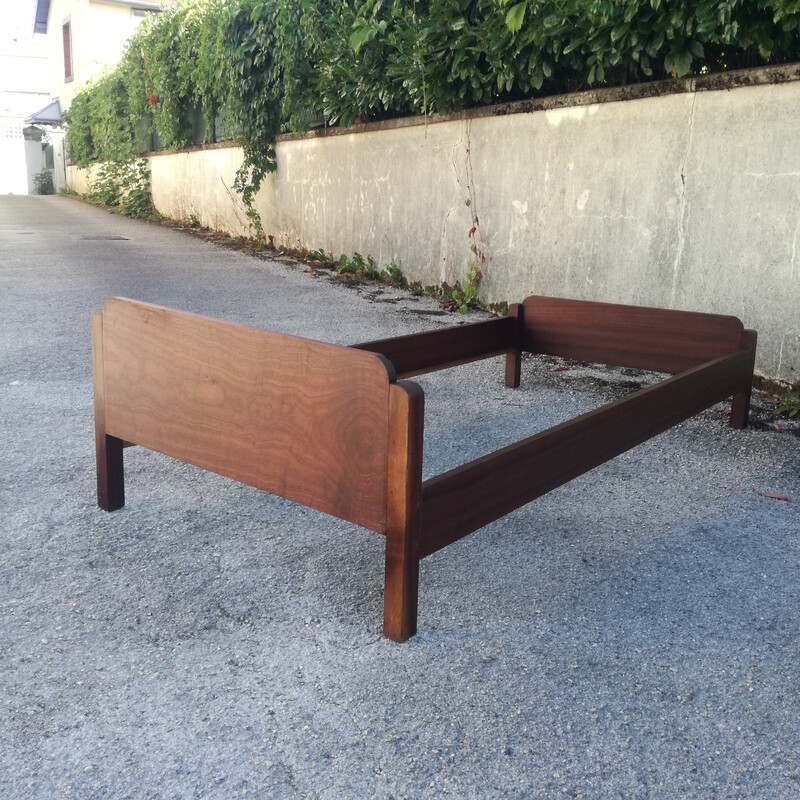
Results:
x,y
49,115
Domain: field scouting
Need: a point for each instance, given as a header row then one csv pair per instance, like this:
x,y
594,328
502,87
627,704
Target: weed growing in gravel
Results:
x,y
789,403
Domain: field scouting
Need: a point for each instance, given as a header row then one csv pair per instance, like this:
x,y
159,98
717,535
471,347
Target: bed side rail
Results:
x,y
262,408
418,353
464,499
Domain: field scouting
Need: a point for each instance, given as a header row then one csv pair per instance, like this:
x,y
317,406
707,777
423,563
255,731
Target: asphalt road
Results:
x,y
634,634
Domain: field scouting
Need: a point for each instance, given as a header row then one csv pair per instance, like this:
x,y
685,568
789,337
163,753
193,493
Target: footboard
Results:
x,y
325,426
332,428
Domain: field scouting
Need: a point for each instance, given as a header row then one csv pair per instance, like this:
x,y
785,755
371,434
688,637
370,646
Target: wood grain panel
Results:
x,y
418,353
304,420
467,498
627,336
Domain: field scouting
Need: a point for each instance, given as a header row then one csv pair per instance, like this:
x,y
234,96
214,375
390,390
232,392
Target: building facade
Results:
x,y
23,89
83,37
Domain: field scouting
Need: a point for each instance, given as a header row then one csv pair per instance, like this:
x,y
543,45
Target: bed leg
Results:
x,y
740,404
401,587
740,409
514,356
108,449
110,473
404,493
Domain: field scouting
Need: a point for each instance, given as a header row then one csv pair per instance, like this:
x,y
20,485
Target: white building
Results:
x,y
83,37
23,90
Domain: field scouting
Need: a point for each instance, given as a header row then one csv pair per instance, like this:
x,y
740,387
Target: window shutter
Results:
x,y
67,51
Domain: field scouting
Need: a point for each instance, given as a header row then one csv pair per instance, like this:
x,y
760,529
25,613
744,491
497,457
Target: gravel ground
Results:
x,y
633,634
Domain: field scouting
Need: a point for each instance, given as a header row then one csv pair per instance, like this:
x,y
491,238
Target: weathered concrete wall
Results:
x,y
80,180
688,200
199,183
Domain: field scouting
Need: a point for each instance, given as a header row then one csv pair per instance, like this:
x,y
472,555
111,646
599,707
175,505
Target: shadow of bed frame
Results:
x,y
338,429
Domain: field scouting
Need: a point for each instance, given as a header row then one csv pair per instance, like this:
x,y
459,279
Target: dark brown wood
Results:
x,y
627,336
418,353
108,449
328,426
514,355
740,405
304,420
403,497
471,496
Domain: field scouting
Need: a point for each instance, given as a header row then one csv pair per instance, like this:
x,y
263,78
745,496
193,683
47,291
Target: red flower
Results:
x,y
153,99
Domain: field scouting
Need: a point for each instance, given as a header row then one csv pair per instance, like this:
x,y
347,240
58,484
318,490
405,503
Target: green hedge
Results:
x,y
256,67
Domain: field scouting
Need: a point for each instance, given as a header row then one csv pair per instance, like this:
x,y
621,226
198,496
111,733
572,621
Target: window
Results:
x,y
67,36
10,130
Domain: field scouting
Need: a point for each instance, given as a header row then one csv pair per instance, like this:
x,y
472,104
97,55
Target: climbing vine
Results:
x,y
252,68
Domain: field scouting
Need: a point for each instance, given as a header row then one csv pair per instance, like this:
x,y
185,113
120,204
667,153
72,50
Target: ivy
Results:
x,y
252,68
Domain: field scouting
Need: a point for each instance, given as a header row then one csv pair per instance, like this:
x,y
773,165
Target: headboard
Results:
x,y
627,336
262,408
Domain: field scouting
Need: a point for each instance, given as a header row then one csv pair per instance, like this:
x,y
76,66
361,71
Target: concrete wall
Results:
x,y
79,180
688,200
13,166
34,163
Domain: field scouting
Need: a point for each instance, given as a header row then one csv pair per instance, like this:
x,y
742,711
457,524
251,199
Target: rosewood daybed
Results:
x,y
335,429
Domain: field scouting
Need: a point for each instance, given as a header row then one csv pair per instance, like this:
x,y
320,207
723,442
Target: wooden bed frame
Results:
x,y
335,429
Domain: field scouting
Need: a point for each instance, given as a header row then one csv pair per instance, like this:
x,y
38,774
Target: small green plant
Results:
x,y
465,294
393,275
43,182
193,221
343,266
319,258
357,267
789,403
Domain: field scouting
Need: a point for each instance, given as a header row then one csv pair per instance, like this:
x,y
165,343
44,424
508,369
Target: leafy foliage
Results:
x,y
137,201
256,67
465,294
43,182
106,185
789,403
125,184
356,268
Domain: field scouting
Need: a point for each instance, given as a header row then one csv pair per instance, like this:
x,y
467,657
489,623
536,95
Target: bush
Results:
x,y
107,185
125,184
43,182
137,202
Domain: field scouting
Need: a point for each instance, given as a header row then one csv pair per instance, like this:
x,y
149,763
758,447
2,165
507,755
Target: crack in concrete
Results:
x,y
681,232
234,202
